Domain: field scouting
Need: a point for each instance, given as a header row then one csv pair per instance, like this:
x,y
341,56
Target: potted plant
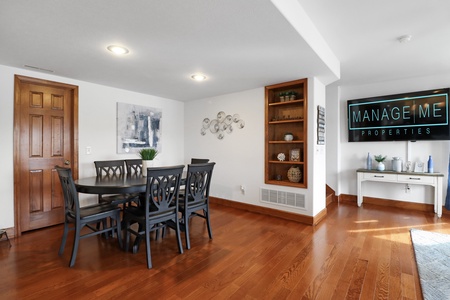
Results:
x,y
283,96
380,159
147,155
292,95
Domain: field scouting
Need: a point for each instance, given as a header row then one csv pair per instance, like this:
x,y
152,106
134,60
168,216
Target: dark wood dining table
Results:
x,y
125,184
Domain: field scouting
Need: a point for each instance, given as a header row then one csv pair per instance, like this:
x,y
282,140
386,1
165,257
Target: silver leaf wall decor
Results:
x,y
223,124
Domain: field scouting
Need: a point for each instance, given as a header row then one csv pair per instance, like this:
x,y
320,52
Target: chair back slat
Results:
x,y
198,181
163,184
71,200
109,167
134,166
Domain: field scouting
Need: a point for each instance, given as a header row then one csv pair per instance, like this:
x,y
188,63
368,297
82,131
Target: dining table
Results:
x,y
124,184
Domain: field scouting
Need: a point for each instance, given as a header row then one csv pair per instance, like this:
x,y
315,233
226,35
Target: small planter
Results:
x,y
146,164
380,160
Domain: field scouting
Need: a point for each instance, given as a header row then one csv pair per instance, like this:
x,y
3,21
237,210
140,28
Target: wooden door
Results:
x,y
45,122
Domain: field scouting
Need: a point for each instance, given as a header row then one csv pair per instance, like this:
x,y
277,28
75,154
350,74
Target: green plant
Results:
x,y
148,153
380,158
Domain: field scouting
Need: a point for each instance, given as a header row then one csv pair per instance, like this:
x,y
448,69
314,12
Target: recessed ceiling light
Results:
x,y
404,38
198,77
119,50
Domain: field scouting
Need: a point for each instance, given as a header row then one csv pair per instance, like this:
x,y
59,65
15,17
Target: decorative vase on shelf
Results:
x,y
430,165
369,162
396,164
288,137
380,160
381,166
294,174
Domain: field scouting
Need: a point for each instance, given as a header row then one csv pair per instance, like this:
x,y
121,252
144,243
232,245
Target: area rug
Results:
x,y
432,252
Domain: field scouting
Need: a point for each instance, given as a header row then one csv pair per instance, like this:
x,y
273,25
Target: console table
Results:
x,y
430,179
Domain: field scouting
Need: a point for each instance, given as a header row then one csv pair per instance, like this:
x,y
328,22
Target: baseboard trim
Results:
x,y
352,199
308,220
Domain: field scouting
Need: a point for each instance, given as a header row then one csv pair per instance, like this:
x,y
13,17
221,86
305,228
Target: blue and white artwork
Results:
x,y
138,127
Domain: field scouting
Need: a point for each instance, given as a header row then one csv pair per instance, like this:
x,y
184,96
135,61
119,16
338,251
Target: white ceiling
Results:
x,y
238,44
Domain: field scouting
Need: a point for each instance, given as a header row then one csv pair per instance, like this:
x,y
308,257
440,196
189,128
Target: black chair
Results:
x,y
134,166
3,232
112,168
199,160
86,216
161,206
195,161
196,198
109,167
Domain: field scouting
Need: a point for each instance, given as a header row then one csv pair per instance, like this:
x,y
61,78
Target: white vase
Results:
x,y
380,166
146,164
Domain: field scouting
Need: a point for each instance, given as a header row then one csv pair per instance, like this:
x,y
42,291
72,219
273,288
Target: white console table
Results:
x,y
431,179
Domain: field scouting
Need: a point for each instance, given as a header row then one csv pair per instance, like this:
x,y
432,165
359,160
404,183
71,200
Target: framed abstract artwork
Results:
x,y
138,127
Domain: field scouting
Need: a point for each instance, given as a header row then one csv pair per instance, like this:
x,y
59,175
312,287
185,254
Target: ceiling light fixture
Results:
x,y
198,77
404,38
119,50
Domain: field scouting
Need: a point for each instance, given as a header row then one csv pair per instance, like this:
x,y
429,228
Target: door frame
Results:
x,y
18,80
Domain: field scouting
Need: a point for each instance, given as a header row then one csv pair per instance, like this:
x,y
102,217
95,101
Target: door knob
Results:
x,y
67,162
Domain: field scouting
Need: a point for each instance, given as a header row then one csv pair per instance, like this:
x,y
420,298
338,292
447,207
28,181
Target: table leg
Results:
x,y
359,189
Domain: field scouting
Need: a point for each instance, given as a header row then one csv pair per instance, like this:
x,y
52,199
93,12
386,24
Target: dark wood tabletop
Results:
x,y
125,184
111,185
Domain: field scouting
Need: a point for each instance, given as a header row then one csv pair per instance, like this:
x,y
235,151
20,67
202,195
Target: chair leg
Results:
x,y
127,235
208,223
177,229
119,230
64,238
147,246
76,242
186,231
137,241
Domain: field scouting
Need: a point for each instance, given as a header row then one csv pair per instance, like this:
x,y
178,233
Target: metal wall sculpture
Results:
x,y
223,124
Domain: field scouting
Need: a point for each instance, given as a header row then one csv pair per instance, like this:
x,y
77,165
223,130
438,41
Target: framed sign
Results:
x,y
403,117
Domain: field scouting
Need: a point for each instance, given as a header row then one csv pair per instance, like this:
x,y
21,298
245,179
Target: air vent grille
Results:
x,y
283,198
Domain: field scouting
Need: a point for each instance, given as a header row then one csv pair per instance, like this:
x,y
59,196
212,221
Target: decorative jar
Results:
x,y
288,136
396,164
294,174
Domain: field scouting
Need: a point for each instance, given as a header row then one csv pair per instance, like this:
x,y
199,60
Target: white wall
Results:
x,y
353,155
97,129
333,117
240,155
316,153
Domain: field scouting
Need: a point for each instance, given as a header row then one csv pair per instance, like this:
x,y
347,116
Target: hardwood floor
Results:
x,y
355,253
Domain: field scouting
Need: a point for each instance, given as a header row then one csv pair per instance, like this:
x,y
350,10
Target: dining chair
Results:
x,y
85,216
109,167
196,197
112,168
161,206
133,166
194,161
199,160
